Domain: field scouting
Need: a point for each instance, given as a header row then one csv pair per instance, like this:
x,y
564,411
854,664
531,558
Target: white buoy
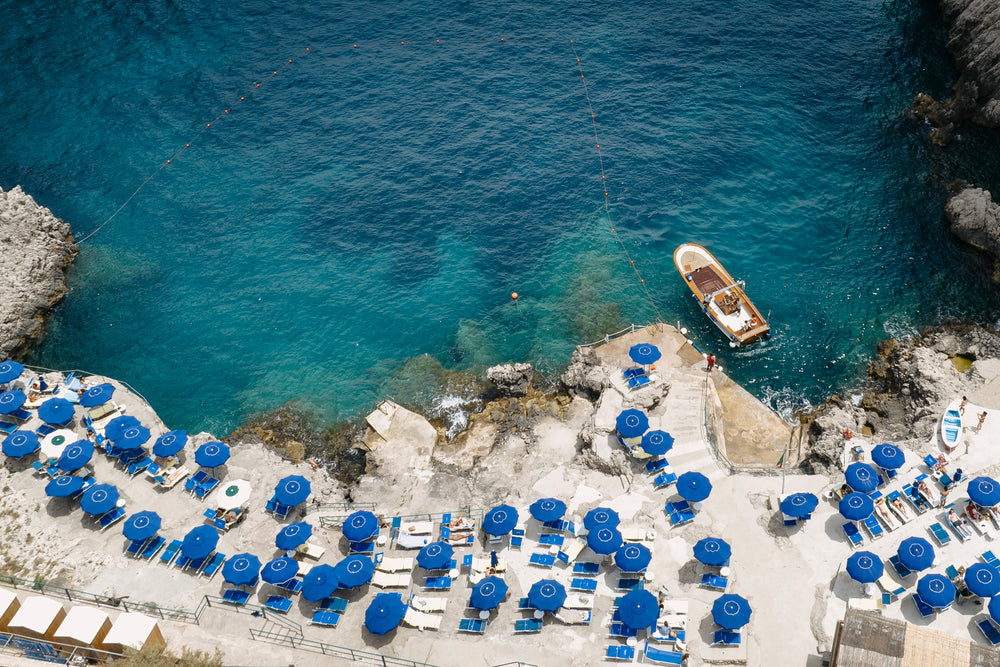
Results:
x,y
684,331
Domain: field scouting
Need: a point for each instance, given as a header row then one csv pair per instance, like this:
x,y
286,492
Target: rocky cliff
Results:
x,y
974,39
37,247
975,219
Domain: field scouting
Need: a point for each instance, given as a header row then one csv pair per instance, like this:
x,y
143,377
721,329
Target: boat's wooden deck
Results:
x,y
707,280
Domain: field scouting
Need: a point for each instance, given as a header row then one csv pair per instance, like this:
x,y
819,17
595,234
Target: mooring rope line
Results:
x,y
604,187
187,145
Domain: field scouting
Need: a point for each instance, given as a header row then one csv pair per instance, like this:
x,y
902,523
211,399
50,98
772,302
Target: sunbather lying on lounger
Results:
x,y
901,508
959,523
973,512
884,511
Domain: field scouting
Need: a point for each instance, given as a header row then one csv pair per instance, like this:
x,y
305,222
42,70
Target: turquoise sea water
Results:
x,y
369,205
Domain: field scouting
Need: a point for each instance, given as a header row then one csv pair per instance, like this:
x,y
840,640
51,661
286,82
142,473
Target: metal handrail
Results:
x,y
334,651
78,370
255,609
69,654
632,328
100,600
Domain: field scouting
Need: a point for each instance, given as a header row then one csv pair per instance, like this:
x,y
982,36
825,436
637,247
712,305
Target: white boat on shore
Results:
x,y
951,427
721,297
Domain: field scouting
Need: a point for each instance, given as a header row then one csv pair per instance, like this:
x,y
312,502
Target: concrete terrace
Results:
x,y
793,578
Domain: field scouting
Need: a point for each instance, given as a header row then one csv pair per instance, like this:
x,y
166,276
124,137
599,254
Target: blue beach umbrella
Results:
x,y
11,401
631,423
56,411
355,570
360,526
547,595
633,557
799,504
657,443
983,580
10,370
712,551
320,583
241,569
639,609
500,520
199,542
936,590
601,517
293,535
133,437
435,556
994,608
114,428
98,395
19,443
170,443
385,613
212,454
865,567
888,456
76,455
644,353
99,499
604,540
861,477
141,525
856,506
488,593
63,486
915,553
547,509
694,487
984,491
279,570
732,612
292,490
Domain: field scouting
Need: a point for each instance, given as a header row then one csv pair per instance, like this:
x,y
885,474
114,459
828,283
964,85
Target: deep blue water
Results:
x,y
368,205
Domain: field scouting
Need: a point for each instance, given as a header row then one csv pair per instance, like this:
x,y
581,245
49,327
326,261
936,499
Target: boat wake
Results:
x,y
454,411
786,402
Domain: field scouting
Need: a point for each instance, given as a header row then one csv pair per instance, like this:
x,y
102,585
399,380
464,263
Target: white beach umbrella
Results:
x,y
233,494
54,443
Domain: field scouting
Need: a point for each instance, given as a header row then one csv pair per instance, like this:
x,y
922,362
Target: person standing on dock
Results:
x,y
711,364
961,408
982,418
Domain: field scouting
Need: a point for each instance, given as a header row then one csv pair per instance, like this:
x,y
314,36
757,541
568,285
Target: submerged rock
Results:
x,y
39,246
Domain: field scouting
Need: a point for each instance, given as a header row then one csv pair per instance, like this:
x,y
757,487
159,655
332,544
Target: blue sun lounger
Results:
x,y
726,638
212,566
152,547
898,566
236,597
170,553
586,569
474,625
631,373
940,534
134,547
192,482
516,538
990,557
714,581
524,604
205,488
551,540
112,517
661,656
325,618
580,584
872,526
989,631
542,560
853,534
438,583
630,584
338,605
621,630
527,625
620,652
278,603
656,465
922,607
664,480
643,380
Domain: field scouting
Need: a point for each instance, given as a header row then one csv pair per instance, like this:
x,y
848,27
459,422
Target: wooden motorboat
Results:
x,y
721,297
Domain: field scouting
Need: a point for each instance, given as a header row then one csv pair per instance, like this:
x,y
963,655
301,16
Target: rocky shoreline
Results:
x,y
40,248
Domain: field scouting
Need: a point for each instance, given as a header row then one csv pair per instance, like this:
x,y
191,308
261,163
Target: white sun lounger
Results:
x,y
579,602
310,550
428,604
395,565
386,580
634,533
417,528
422,620
574,616
572,548
887,517
984,527
405,541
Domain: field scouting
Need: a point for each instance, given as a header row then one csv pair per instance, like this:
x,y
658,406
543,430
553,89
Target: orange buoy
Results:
x,y
513,295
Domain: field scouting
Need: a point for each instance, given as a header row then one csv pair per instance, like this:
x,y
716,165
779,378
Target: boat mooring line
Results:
x,y
604,187
186,146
